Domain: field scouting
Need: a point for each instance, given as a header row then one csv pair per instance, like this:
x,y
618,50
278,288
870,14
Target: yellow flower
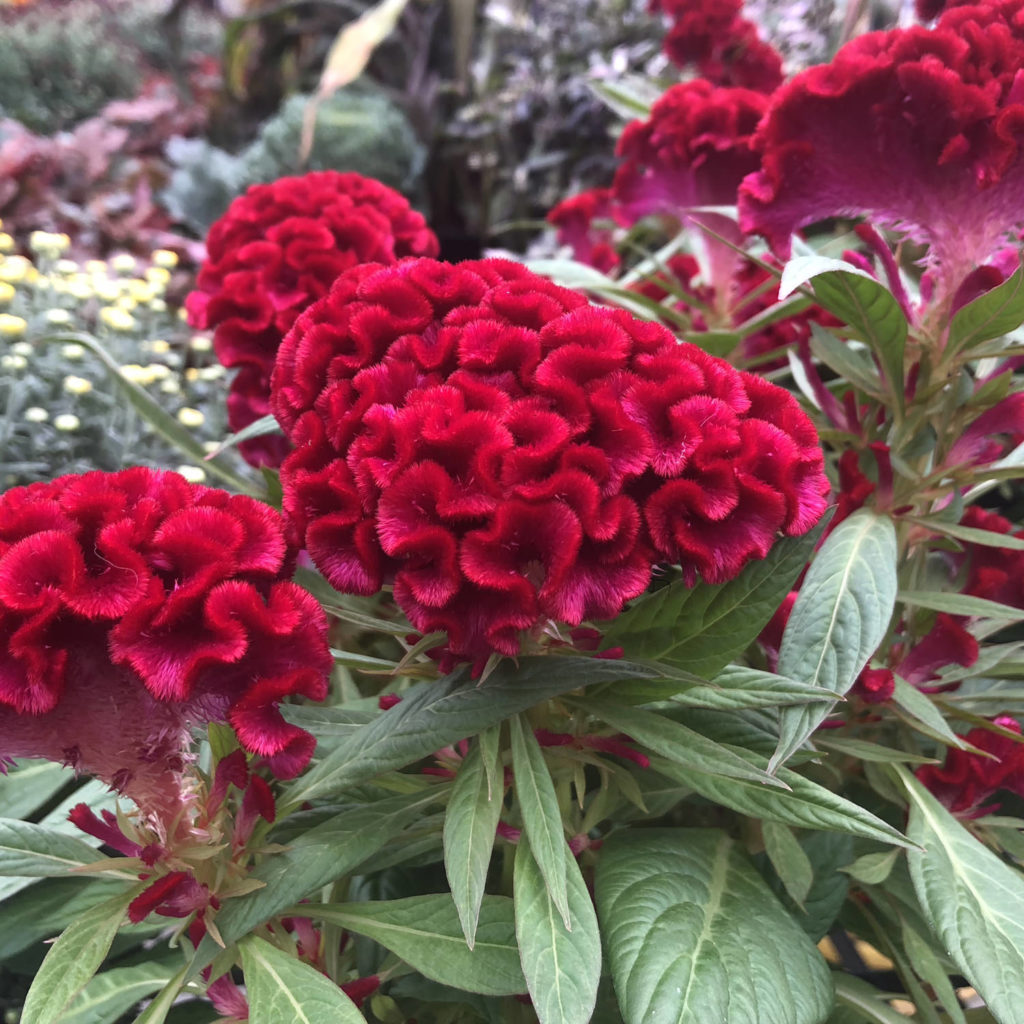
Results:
x,y
137,374
138,290
98,268
12,326
58,317
36,414
67,267
158,277
68,422
117,319
77,385
72,351
16,269
6,242
191,375
158,346
80,289
13,362
7,293
158,306
170,386
123,263
193,474
214,372
200,343
106,290
23,348
189,417
164,258
158,371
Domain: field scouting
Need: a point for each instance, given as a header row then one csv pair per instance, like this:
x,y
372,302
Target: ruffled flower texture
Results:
x,y
276,250
919,129
724,47
507,454
135,604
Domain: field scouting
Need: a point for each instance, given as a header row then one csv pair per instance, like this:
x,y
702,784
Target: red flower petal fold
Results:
x,y
135,604
276,250
506,454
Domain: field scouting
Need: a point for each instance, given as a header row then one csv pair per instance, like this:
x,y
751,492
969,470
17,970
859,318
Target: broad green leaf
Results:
x,y
469,826
974,901
676,742
702,628
869,1001
629,96
991,315
787,856
804,804
827,852
927,967
694,935
562,966
855,365
538,805
281,988
840,617
28,785
860,301
113,993
873,868
425,932
960,604
41,852
330,725
156,1012
435,714
924,713
73,959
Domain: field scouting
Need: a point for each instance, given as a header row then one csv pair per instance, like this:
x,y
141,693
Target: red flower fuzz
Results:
x,y
276,250
133,604
917,128
507,454
591,243
966,780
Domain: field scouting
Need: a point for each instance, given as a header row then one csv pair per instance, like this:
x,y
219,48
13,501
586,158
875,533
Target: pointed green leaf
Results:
x,y
702,628
542,819
73,959
791,864
840,617
113,993
469,826
927,967
974,901
855,365
562,967
264,425
29,785
281,988
867,1000
156,1012
826,851
434,714
991,315
873,868
960,604
425,932
694,935
40,852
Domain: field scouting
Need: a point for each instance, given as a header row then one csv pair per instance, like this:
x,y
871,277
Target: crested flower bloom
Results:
x,y
725,48
276,250
135,604
693,151
507,454
967,780
994,573
578,223
917,128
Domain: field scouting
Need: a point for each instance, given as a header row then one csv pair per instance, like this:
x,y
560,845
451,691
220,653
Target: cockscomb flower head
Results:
x,y
918,129
578,223
134,604
277,249
507,454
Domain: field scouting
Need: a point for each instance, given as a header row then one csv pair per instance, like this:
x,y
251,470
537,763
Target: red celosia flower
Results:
x,y
507,454
996,574
574,218
918,128
135,603
966,780
277,249
712,36
875,685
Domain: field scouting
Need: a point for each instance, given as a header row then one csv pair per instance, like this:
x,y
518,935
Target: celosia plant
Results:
x,y
276,250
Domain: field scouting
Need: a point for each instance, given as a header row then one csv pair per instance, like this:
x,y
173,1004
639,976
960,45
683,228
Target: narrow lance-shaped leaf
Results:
x,y
562,966
110,995
991,315
840,617
542,818
281,988
469,826
695,935
791,864
37,851
973,900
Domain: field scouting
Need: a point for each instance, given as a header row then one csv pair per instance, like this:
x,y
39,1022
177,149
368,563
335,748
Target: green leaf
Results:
x,y
991,315
281,988
675,741
840,617
702,628
264,425
973,900
866,751
629,96
694,935
923,713
40,852
927,967
29,785
469,826
873,868
791,864
826,851
435,714
960,604
73,959
862,996
426,932
562,965
156,1012
542,819
805,804
854,365
113,993
860,301
988,538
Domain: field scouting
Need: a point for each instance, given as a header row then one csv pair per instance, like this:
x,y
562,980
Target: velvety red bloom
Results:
x,y
133,604
966,780
724,47
917,128
277,249
875,685
996,574
508,454
575,218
